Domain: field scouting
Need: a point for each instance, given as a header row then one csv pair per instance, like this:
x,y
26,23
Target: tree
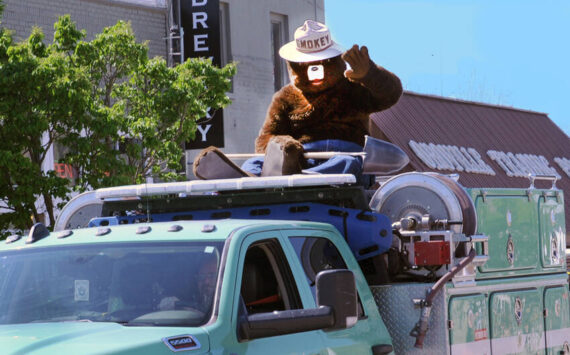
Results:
x,y
162,106
92,96
41,97
141,101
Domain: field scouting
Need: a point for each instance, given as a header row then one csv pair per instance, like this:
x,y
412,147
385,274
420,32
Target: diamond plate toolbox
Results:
x,y
395,304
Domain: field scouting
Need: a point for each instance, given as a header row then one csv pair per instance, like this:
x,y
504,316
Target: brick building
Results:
x,y
148,18
250,33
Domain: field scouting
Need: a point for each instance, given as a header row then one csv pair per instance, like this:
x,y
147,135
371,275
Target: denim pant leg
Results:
x,y
253,165
338,164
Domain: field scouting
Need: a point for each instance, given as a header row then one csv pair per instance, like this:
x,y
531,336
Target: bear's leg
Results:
x,y
211,163
343,164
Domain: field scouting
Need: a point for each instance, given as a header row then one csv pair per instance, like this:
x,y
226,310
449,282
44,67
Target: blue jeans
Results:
x,y
338,164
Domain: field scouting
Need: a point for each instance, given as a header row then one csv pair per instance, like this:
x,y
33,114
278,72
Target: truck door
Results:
x,y
266,284
316,252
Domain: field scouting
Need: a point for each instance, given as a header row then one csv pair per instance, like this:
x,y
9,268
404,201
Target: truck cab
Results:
x,y
199,286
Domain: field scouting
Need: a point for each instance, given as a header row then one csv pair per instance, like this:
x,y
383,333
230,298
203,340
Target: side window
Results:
x,y
318,254
267,282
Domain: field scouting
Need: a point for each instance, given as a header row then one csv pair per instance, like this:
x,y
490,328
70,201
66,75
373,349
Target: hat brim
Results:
x,y
289,52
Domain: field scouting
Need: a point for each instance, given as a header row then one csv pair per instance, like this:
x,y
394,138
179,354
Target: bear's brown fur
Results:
x,y
338,108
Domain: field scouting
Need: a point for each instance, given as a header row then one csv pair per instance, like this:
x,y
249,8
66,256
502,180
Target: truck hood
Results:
x,y
98,338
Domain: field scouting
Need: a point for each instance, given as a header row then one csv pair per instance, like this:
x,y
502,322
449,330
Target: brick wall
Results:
x,y
148,22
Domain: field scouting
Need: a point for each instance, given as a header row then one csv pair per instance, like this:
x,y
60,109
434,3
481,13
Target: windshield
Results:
x,y
133,284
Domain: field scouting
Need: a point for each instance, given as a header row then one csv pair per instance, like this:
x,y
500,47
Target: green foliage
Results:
x,y
91,97
179,97
41,96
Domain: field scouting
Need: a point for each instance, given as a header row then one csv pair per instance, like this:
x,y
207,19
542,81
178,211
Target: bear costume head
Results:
x,y
313,58
314,77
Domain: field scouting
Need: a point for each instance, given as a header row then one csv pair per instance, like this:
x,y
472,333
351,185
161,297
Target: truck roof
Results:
x,y
213,230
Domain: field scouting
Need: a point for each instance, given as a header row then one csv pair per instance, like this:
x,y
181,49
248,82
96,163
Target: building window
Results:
x,y
225,43
279,36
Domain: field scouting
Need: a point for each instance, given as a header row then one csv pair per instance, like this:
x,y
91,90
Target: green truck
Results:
x,y
298,264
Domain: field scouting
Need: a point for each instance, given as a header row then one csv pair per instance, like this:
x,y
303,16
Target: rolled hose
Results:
x,y
421,327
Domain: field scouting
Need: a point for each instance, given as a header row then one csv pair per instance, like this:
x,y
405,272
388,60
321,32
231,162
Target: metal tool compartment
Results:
x,y
552,230
509,217
557,319
517,324
469,324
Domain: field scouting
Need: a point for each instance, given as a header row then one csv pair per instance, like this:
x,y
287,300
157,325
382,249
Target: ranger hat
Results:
x,y
312,43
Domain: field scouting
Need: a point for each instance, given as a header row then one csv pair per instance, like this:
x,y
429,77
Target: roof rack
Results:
x,y
207,186
204,193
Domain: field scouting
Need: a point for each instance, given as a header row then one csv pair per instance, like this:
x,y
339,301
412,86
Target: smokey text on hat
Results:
x,y
314,44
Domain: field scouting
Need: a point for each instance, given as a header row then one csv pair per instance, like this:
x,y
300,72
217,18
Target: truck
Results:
x,y
300,264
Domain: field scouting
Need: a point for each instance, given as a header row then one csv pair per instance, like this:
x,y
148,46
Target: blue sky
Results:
x,y
509,52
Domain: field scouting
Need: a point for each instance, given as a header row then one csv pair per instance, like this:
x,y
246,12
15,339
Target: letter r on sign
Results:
x,y
199,18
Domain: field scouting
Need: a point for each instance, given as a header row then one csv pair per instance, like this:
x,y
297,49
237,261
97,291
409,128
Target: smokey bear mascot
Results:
x,y
325,108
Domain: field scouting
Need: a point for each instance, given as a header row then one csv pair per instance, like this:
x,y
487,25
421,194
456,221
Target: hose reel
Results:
x,y
431,214
415,195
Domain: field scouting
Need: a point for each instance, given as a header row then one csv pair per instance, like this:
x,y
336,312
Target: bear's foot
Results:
x,y
211,163
283,156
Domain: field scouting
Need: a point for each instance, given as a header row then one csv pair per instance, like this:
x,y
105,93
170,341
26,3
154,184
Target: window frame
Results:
x,y
281,270
290,279
226,56
280,72
362,314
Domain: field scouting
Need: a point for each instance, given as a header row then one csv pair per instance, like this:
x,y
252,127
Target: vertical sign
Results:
x,y
200,20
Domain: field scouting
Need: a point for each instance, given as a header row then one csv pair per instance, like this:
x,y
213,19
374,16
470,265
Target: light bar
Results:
x,y
245,183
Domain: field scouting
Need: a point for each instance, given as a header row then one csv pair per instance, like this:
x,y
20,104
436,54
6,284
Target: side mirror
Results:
x,y
337,290
337,309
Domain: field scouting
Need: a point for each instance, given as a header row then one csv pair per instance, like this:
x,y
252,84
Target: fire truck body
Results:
x,y
452,270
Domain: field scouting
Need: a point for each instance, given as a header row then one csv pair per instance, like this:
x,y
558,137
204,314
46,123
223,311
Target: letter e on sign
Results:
x,y
200,43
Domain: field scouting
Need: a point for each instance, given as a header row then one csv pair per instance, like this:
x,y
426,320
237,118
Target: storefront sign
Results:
x,y
520,165
454,158
63,170
564,164
451,157
200,20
